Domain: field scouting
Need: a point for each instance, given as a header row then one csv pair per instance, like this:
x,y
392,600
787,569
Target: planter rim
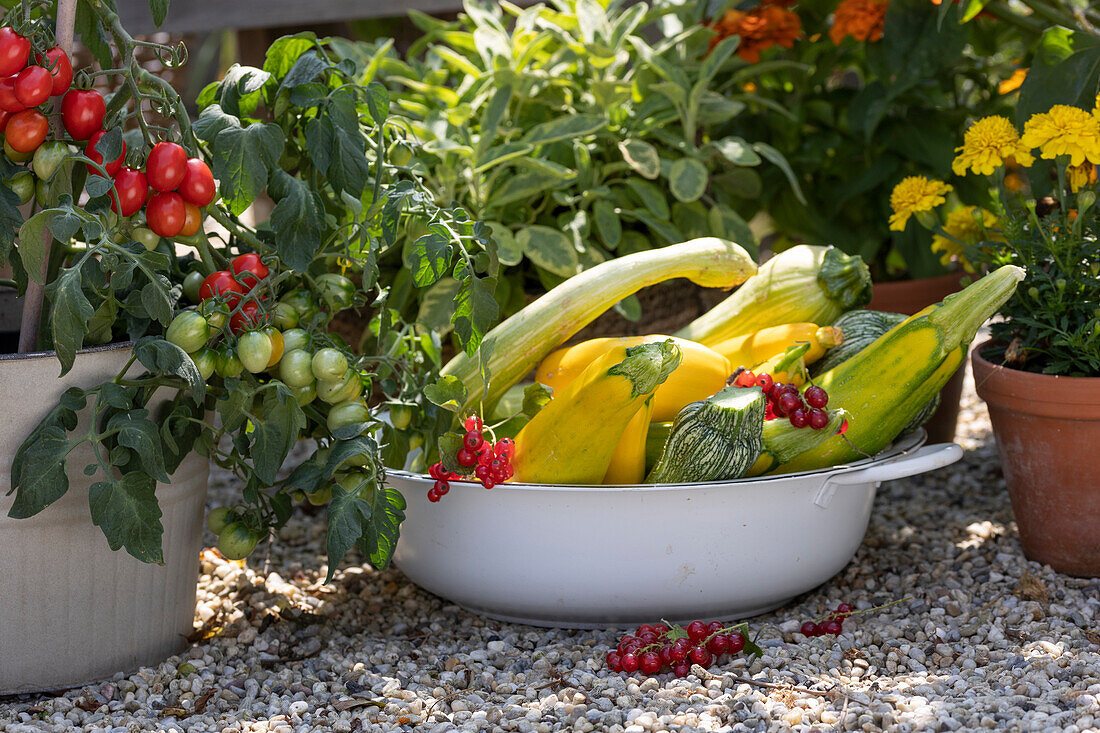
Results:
x,y
1031,378
117,346
1031,393
903,444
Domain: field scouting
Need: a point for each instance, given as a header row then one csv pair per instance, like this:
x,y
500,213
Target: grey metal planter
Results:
x,y
71,610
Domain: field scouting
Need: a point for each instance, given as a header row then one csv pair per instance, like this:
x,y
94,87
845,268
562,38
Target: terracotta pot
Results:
x,y
909,297
1046,427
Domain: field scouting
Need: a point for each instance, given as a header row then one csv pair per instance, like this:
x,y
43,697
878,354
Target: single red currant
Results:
x,y
466,457
680,649
472,440
630,662
816,396
844,609
736,642
764,381
818,418
718,644
614,661
682,669
833,626
696,630
650,663
809,628
433,495
699,655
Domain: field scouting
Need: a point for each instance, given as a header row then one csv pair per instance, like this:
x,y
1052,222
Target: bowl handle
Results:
x,y
923,459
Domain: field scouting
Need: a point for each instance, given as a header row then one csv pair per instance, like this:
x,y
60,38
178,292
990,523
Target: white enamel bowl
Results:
x,y
611,556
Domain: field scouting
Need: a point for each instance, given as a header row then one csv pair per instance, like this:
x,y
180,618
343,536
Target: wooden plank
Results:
x,y
196,16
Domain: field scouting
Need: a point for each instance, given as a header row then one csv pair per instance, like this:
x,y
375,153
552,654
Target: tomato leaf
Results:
x,y
278,431
283,53
348,515
347,168
298,219
159,9
126,510
306,68
161,356
429,258
342,450
38,472
141,435
387,512
242,158
69,316
10,221
476,310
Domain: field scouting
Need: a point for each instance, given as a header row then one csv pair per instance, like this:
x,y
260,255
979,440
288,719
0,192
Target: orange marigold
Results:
x,y
860,19
761,28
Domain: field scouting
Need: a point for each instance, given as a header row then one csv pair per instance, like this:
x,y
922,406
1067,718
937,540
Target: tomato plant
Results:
x,y
192,220
192,282
166,213
249,269
14,51
8,101
197,185
82,112
33,86
189,331
60,69
26,130
112,167
48,157
329,365
236,541
221,283
295,368
131,189
254,349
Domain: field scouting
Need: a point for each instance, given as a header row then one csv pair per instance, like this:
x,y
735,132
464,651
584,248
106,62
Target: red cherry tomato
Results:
x,y
248,318
60,68
249,269
112,167
192,220
165,213
132,189
15,50
8,101
26,130
197,186
166,166
221,282
33,86
4,117
82,112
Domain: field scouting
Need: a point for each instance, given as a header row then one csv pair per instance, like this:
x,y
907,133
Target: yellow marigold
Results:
x,y
963,227
1064,130
1080,176
986,146
769,24
913,195
1013,82
860,19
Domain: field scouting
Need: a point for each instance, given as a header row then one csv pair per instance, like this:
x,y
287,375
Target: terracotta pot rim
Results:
x,y
116,346
1030,393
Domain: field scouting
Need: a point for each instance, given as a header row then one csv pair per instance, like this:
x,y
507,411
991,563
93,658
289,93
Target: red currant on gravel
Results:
x,y
666,656
818,419
466,457
644,629
650,663
714,627
614,661
648,638
833,626
682,669
696,630
809,628
816,396
630,662
719,644
699,655
844,609
736,642
660,629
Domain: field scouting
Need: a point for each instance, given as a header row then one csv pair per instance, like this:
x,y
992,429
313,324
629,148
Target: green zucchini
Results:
x,y
713,439
655,441
860,328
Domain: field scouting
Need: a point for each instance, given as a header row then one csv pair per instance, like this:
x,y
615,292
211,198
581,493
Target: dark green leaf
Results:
x,y
687,179
429,258
565,128
297,219
378,102
32,243
549,248
163,357
608,224
38,474
771,154
305,69
386,514
491,116
342,450
476,311
284,52
523,187
277,432
69,316
449,446
212,121
156,297
142,436
127,511
651,197
348,515
159,9
1065,70
642,157
242,158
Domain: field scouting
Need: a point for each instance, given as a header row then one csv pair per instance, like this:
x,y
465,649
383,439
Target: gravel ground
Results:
x,y
987,640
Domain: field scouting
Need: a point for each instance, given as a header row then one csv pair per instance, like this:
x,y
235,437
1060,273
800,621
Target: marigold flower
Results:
x,y
861,19
963,226
761,28
1064,130
987,144
915,194
1080,176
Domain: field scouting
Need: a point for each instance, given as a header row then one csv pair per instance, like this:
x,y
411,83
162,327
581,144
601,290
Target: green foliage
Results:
x,y
570,132
853,119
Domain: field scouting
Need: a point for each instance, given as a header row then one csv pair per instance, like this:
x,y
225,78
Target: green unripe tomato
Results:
x,y
48,157
218,519
14,155
236,541
336,290
352,390
295,339
215,313
295,368
352,481
206,360
297,496
304,395
22,185
401,414
400,153
347,413
227,363
149,240
189,331
320,497
254,349
301,301
415,441
284,316
329,365
191,284
41,193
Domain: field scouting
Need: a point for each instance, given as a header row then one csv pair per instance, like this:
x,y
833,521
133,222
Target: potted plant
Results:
x,y
577,138
230,357
1039,372
859,95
